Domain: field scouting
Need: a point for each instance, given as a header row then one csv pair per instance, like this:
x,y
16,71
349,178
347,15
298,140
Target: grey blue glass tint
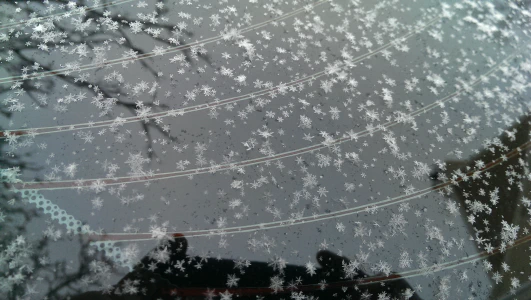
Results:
x,y
249,149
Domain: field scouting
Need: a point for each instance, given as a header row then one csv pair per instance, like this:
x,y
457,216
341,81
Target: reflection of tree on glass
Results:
x,y
108,91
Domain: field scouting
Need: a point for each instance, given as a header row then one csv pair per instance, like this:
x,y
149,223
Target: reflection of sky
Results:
x,y
195,204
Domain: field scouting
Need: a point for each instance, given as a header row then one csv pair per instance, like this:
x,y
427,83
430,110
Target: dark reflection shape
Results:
x,y
164,280
488,223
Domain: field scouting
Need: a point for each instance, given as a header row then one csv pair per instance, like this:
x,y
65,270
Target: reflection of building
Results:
x,y
509,207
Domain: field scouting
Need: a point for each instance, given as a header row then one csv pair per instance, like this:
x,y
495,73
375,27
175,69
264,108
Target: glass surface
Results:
x,y
249,149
